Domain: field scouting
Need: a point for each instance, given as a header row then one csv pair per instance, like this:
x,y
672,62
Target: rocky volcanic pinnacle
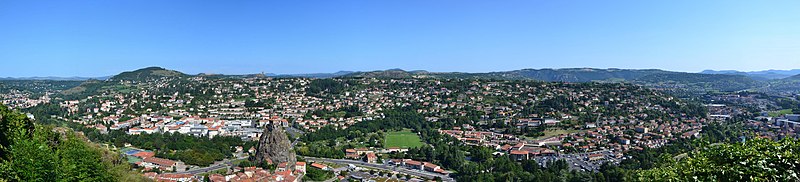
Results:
x,y
275,146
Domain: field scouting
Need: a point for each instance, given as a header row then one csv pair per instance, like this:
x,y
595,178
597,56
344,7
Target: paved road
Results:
x,y
227,163
217,166
294,131
383,167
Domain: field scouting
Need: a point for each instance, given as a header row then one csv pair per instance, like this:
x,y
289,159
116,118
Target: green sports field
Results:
x,y
402,139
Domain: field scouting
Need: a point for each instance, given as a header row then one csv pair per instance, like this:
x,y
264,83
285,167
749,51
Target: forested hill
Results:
x,y
575,74
697,81
795,77
150,73
550,75
122,82
33,152
655,78
649,77
392,73
787,85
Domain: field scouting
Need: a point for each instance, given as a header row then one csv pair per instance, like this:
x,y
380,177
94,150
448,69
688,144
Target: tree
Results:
x,y
30,161
48,153
13,126
754,160
79,162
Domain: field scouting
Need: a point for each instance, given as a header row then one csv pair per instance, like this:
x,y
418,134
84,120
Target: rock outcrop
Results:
x,y
275,147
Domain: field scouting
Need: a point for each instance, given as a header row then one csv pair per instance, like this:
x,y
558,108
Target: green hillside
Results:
x,y
32,152
150,73
697,81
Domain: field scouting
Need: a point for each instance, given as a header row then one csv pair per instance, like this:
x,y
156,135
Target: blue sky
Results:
x,y
98,38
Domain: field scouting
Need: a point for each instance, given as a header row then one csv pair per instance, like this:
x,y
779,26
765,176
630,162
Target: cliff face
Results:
x,y
275,146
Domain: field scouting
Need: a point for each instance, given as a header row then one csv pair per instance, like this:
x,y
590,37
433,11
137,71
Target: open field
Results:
x,y
779,113
402,139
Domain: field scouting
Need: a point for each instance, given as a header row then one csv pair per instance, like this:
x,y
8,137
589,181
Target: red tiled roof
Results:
x,y
519,152
216,178
430,165
144,154
318,165
159,161
412,162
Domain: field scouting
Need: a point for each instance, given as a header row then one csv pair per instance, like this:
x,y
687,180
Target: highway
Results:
x,y
387,167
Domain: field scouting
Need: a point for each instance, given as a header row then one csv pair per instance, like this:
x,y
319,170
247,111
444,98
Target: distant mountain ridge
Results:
x,y
698,81
761,75
579,74
56,78
390,73
709,80
795,77
546,74
315,75
650,77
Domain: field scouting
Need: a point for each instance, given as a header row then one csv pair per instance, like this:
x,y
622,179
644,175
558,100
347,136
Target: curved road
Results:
x,y
227,163
383,167
222,165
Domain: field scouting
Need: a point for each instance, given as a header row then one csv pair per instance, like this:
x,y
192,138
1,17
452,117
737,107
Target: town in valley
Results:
x,y
390,125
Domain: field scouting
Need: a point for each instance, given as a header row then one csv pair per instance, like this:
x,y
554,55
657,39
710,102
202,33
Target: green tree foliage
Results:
x,y
697,81
326,87
200,151
754,160
314,174
46,153
30,160
13,126
344,112
79,162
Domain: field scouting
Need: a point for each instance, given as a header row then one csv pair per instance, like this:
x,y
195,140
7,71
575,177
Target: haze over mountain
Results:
x,y
764,74
697,82
74,78
544,74
655,78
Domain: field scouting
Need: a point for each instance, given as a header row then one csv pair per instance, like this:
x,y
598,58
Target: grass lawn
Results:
x,y
237,161
402,139
779,113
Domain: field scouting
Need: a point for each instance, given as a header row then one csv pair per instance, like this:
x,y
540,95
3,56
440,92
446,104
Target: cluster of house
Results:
x,y
281,173
624,135
361,153
620,135
194,125
224,113
470,136
246,174
21,100
523,151
147,160
426,166
776,127
289,103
